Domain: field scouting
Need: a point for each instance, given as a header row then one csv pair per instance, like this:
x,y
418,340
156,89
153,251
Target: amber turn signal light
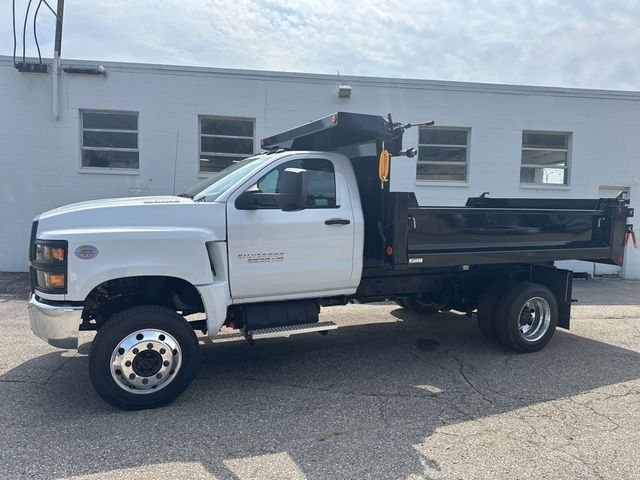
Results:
x,y
56,280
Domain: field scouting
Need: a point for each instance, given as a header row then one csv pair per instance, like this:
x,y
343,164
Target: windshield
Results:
x,y
214,186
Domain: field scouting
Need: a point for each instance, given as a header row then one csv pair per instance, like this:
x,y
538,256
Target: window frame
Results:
x,y
123,170
467,148
566,168
239,156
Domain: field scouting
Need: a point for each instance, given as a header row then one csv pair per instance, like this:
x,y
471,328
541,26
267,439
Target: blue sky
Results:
x,y
590,43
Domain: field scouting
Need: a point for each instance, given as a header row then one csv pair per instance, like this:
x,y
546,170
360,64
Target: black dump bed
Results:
x,y
506,230
400,234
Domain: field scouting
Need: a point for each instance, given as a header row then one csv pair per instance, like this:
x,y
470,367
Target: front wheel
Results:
x,y
143,357
526,317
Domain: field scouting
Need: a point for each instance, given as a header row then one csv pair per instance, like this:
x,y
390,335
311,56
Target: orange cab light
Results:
x,y
334,119
389,251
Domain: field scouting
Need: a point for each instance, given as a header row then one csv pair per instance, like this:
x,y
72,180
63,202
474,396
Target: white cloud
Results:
x,y
544,42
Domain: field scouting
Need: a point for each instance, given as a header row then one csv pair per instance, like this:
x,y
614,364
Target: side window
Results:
x,y
321,181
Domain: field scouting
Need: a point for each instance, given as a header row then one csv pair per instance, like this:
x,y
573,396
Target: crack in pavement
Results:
x,y
466,379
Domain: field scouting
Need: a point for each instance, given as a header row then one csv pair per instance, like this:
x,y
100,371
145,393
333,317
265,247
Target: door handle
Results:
x,y
337,221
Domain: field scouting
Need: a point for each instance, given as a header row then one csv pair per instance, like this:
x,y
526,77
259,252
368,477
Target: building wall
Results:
x,y
40,156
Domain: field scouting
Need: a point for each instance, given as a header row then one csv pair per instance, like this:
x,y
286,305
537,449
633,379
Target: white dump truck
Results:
x,y
324,216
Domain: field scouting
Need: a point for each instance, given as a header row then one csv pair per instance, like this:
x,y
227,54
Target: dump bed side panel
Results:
x,y
475,229
517,231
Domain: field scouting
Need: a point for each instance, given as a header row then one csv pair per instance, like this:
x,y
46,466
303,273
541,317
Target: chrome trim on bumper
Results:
x,y
57,325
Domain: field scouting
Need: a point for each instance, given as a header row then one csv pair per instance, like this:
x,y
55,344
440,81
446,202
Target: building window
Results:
x,y
224,141
443,154
110,139
545,158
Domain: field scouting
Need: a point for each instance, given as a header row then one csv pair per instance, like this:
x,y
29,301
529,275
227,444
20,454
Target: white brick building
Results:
x,y
166,119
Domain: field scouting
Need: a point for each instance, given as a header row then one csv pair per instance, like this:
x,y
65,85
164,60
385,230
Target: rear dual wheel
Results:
x,y
520,315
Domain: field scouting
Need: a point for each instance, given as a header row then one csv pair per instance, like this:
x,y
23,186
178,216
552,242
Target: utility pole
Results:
x,y
56,57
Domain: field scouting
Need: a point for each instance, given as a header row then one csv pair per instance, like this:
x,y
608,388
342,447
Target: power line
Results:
x,y
49,7
35,32
14,31
24,34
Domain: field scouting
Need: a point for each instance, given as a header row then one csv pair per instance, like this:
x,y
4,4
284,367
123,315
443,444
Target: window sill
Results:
x,y
543,186
109,171
444,183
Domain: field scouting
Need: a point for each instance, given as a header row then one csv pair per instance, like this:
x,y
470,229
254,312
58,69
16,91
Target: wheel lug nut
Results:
x,y
159,376
132,376
145,381
127,363
162,351
150,346
135,351
165,363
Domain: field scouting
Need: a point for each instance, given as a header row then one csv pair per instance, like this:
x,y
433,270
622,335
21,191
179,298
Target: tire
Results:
x,y
143,357
526,331
416,305
487,309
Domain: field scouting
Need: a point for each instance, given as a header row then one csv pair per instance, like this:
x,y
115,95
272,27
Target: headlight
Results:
x,y
50,254
49,266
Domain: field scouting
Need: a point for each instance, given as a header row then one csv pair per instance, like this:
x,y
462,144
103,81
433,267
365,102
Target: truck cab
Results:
x,y
324,234
312,221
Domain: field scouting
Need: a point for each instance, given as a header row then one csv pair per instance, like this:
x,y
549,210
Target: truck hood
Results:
x,y
134,213
116,202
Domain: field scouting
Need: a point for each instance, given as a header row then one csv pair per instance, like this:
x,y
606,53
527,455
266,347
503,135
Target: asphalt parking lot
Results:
x,y
388,395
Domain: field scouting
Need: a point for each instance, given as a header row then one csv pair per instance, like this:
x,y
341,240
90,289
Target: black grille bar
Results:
x,y
32,255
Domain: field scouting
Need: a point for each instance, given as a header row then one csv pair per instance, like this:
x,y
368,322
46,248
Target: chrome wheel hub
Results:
x,y
146,361
535,318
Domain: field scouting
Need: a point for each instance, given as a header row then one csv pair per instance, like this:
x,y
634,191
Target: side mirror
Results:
x,y
247,201
292,190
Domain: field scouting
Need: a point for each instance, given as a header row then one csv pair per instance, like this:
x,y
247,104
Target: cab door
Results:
x,y
275,254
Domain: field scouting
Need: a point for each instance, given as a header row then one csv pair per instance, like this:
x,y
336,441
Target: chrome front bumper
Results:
x,y
58,325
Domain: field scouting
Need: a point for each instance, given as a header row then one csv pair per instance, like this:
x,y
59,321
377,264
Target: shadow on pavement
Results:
x,y
350,404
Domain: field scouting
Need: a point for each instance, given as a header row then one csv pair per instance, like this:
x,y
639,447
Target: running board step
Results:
x,y
288,330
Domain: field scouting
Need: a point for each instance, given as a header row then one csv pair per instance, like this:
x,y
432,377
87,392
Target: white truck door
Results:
x,y
275,254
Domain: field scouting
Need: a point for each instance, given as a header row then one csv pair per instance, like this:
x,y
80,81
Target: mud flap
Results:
x,y
560,283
